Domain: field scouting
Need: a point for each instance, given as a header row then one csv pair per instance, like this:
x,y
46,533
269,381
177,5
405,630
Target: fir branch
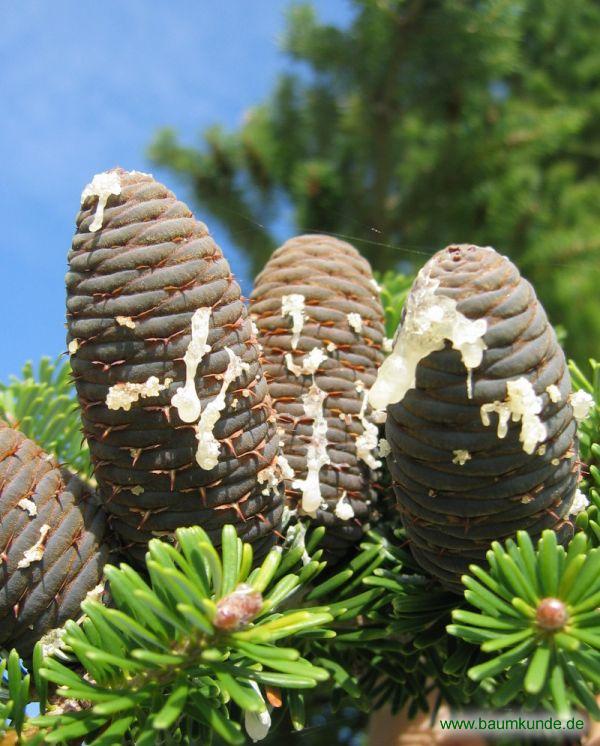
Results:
x,y
395,650
15,695
180,651
538,618
42,404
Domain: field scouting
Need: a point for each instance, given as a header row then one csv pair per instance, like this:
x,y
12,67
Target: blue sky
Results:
x,y
84,86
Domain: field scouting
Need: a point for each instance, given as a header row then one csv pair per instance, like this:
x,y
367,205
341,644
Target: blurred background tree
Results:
x,y
423,123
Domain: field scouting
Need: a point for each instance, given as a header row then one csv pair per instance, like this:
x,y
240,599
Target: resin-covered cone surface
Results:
x,y
52,542
480,424
174,404
320,324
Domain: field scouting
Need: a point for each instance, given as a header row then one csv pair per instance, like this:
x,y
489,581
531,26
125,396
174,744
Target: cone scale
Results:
x,y
52,542
174,404
320,324
480,424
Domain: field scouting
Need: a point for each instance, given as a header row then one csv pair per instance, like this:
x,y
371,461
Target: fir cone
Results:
x,y
175,407
52,547
483,440
320,322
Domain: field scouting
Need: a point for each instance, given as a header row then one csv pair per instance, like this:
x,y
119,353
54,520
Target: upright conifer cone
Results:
x,y
320,323
52,548
481,416
174,404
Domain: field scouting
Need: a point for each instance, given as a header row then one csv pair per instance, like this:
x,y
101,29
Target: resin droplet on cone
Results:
x,y
320,324
480,424
52,542
174,403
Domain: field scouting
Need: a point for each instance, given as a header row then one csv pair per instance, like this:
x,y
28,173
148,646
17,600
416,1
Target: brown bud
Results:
x,y
551,614
239,607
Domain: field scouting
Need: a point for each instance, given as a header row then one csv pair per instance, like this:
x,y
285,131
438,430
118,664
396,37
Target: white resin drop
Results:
x,y
384,448
580,503
123,395
96,593
582,404
102,186
52,642
28,505
367,441
355,321
207,454
35,552
316,454
284,467
273,474
186,400
125,321
430,320
379,416
461,457
343,509
310,362
521,404
293,305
